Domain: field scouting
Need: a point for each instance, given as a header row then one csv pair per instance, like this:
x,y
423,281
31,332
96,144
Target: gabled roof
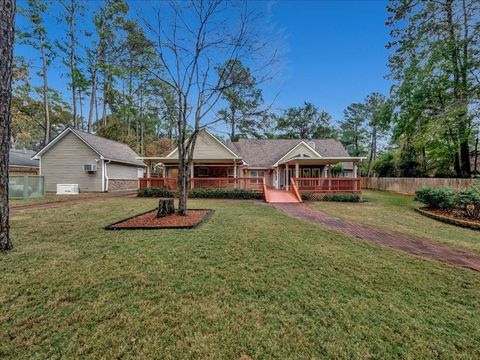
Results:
x,y
266,152
106,148
221,144
23,158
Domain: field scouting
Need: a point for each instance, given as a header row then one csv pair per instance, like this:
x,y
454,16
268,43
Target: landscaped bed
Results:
x,y
149,220
454,217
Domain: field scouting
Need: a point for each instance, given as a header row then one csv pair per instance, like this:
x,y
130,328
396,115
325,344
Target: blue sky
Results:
x,y
333,52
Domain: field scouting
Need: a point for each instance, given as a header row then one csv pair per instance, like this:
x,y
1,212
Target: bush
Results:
x,y
225,194
331,197
468,201
437,198
155,192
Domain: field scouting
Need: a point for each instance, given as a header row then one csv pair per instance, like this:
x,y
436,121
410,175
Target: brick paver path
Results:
x,y
417,246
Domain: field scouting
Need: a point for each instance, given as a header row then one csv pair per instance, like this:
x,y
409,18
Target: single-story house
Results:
x,y
21,163
94,163
273,162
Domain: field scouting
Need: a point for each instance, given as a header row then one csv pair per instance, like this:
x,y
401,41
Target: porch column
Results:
x,y
277,172
329,172
192,173
148,169
355,175
287,180
297,170
235,173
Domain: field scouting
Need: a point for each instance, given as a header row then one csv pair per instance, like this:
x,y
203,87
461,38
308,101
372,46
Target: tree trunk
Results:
x,y
7,31
166,206
82,123
92,98
46,110
373,151
72,67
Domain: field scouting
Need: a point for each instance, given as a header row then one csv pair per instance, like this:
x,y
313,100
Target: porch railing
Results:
x,y
247,183
328,185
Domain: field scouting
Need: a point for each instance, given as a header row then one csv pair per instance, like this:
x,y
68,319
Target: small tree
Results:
x,y
200,37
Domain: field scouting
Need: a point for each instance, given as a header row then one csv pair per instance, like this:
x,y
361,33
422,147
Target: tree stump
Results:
x,y
166,207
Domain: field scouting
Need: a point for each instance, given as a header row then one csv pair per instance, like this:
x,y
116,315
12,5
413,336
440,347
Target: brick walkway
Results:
x,y
417,246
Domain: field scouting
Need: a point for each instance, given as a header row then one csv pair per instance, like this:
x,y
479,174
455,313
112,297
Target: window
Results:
x,y
231,173
202,172
256,174
315,173
306,173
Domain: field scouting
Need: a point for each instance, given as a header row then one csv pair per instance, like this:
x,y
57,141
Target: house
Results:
x,y
94,163
21,163
252,163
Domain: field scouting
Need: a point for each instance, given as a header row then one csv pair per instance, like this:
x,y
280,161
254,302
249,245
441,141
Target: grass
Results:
x,y
396,212
252,282
53,198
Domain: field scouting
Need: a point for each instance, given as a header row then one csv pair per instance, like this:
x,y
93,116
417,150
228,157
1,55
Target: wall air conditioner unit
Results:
x,y
67,189
90,168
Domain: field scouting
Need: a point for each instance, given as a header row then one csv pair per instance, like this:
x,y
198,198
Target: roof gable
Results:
x,y
302,149
267,152
106,148
208,147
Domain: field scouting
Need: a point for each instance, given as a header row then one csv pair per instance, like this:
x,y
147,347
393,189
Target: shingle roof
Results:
x,y
23,158
109,149
266,152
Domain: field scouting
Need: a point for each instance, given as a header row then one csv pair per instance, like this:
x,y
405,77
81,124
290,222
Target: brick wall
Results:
x,y
122,184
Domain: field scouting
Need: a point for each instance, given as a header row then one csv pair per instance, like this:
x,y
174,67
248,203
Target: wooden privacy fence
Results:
x,y
410,185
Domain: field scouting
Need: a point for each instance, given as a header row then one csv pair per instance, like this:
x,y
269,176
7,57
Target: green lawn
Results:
x,y
251,282
54,198
396,212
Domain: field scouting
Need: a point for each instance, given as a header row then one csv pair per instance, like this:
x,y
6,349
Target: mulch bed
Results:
x,y
149,220
451,217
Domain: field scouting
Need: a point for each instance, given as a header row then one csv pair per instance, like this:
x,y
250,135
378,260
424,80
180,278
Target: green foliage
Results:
x,y
155,192
385,165
307,122
468,201
243,112
337,170
225,194
437,198
342,197
347,197
354,134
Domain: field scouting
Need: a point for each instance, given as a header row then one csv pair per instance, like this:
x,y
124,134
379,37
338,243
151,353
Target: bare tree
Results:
x,y
199,37
7,30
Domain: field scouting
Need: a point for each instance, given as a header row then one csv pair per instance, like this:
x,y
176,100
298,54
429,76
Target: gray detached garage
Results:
x,y
94,163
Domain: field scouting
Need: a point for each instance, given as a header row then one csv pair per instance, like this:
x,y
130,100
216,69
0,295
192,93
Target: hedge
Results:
x,y
155,192
225,194
466,201
346,197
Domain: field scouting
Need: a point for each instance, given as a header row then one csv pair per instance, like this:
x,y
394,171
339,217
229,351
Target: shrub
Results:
x,y
342,197
437,198
468,201
225,194
331,197
155,192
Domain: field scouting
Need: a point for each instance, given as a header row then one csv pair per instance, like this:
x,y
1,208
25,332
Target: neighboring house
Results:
x,y
21,163
274,162
92,162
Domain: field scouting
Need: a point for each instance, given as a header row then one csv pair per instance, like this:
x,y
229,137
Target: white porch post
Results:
x,y
297,169
277,172
329,172
287,180
235,173
355,175
148,169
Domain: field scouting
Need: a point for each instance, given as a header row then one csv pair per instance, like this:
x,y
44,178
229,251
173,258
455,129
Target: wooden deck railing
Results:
x,y
294,189
247,183
328,185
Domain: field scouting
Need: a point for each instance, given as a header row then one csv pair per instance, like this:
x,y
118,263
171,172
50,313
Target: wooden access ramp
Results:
x,y
280,196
